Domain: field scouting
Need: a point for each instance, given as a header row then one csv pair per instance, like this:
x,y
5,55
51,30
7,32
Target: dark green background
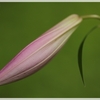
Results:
x,y
21,23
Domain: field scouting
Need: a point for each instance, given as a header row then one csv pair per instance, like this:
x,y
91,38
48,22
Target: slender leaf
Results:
x,y
80,50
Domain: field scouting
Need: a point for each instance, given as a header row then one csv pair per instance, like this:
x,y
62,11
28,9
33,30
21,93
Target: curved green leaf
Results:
x,y
80,50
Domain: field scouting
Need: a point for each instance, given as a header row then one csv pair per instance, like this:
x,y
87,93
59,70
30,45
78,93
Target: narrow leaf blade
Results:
x,y
80,51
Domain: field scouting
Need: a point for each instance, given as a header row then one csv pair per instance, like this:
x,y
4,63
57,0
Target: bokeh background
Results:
x,y
21,23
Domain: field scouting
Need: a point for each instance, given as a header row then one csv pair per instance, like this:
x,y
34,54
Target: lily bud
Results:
x,y
38,53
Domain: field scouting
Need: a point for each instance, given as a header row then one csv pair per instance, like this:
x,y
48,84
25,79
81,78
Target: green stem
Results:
x,y
91,16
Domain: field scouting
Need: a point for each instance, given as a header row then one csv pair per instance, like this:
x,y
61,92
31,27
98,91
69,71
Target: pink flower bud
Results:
x,y
40,51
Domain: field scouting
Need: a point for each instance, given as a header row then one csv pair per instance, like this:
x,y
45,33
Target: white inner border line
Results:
x,y
49,0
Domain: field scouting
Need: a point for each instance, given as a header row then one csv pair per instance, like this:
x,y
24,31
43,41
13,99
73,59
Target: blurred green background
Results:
x,y
21,23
